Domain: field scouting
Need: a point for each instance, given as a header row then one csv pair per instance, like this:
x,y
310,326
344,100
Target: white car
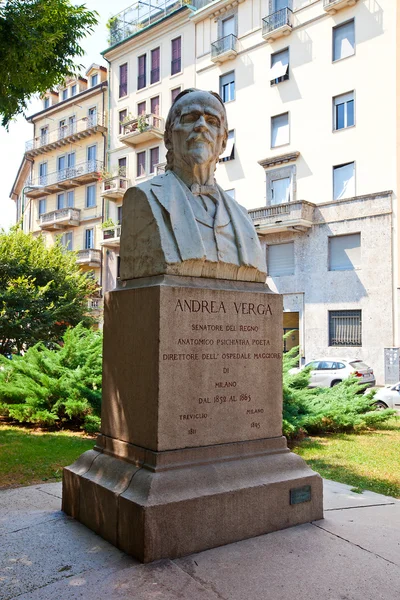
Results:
x,y
327,372
388,397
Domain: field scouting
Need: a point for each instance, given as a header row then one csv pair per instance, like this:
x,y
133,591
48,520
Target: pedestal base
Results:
x,y
156,505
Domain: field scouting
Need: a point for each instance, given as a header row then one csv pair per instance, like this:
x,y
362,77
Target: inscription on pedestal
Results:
x,y
220,355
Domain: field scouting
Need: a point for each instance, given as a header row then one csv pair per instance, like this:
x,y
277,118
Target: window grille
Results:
x,y
345,328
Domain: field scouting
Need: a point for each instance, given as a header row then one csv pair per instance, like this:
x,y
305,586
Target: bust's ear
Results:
x,y
224,142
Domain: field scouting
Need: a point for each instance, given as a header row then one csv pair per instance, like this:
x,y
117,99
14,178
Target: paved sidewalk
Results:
x,y
352,554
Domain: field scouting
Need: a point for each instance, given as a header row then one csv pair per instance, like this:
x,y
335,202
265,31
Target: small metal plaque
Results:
x,y
301,494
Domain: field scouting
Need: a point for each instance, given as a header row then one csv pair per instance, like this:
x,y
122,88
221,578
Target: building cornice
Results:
x,y
214,10
282,159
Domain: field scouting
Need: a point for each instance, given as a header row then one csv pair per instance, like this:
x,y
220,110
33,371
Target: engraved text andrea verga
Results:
x,y
219,356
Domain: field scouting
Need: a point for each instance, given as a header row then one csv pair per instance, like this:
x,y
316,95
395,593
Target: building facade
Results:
x,y
312,150
57,189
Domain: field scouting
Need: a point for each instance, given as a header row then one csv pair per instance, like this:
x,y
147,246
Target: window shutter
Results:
x,y
123,80
344,252
280,130
155,105
344,39
281,259
281,190
343,181
154,158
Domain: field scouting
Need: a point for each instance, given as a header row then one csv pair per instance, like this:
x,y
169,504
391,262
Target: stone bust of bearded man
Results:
x,y
182,222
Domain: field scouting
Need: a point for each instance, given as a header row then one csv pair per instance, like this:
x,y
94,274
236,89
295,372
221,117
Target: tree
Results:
x,y
38,41
42,291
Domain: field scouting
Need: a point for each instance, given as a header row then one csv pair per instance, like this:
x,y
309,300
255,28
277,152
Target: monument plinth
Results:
x,y
191,453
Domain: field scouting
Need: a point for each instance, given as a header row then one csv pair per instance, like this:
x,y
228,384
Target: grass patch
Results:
x,y
367,461
29,456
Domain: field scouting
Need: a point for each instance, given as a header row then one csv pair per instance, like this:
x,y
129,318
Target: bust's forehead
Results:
x,y
199,101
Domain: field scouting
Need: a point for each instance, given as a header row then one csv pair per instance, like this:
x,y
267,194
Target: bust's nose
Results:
x,y
200,124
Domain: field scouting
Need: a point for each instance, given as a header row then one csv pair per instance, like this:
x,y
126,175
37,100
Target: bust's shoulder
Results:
x,y
155,182
233,203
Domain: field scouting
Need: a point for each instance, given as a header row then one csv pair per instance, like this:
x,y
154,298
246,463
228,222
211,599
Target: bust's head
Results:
x,y
196,129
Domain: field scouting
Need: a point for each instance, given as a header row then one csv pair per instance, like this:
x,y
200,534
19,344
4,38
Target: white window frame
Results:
x,y
343,99
92,229
91,185
288,190
221,85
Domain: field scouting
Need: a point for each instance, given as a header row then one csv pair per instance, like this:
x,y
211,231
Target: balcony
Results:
x,y
64,179
67,134
332,6
277,24
115,188
90,257
142,129
224,49
141,15
291,216
60,219
95,304
111,237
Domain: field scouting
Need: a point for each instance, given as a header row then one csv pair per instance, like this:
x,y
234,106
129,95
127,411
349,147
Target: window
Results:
x,y
281,259
140,164
91,157
119,214
70,199
279,66
231,193
155,109
66,240
174,94
227,86
92,114
90,196
122,166
345,328
43,173
279,130
344,181
62,128
343,40
42,206
60,201
154,158
229,26
122,116
44,131
344,252
71,125
61,174
229,152
46,103
89,239
95,79
64,94
123,80
176,56
155,65
73,90
343,111
141,108
280,190
141,80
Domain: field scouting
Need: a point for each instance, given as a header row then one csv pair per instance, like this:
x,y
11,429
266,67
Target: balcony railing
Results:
x,y
277,24
114,188
66,134
224,48
142,129
63,179
95,304
140,15
111,236
291,216
61,218
90,257
331,6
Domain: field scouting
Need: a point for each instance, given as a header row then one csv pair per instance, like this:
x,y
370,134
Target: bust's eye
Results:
x,y
213,120
189,118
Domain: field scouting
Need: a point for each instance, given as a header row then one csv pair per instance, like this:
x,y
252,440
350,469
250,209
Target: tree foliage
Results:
x,y
321,410
55,386
42,291
38,41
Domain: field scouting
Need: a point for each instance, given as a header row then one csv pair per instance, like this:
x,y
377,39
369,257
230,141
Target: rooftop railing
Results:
x,y
142,14
61,134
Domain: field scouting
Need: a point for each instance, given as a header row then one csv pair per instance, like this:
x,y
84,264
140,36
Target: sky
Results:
x,y
12,143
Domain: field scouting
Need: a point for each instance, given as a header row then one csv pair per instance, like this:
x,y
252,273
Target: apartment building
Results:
x,y
57,188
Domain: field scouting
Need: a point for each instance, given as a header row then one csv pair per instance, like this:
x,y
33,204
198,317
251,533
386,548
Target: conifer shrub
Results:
x,y
321,410
59,386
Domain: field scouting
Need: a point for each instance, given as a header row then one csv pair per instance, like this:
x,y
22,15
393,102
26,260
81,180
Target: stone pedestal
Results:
x,y
191,453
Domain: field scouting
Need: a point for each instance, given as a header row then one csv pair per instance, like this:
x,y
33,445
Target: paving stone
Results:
x,y
23,507
339,495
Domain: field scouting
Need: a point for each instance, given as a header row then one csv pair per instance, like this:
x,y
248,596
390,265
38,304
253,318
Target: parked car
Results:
x,y
388,397
327,372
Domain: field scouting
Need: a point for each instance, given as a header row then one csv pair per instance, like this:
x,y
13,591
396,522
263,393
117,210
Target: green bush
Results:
x,y
55,386
322,410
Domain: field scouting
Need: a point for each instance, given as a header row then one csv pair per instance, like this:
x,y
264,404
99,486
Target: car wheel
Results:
x,y
335,382
380,405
